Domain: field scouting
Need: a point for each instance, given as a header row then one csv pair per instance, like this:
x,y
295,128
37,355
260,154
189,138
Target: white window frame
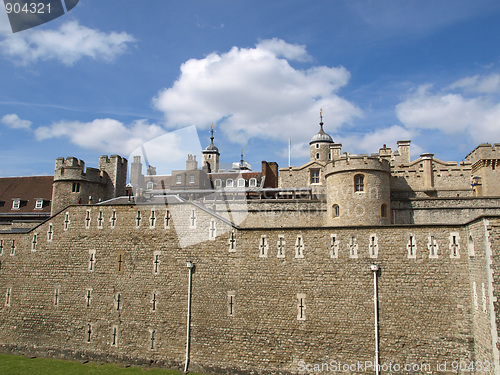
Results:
x,y
241,182
252,182
178,179
229,183
218,183
16,204
192,179
39,204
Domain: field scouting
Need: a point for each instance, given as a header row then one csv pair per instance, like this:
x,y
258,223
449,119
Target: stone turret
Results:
x,y
73,184
211,155
320,144
358,191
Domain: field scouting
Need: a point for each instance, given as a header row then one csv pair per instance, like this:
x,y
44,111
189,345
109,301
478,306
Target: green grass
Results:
x,y
19,365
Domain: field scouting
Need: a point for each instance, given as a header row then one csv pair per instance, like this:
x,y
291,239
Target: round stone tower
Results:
x,y
358,191
320,144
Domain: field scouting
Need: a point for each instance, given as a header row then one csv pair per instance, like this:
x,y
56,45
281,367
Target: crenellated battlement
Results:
x,y
484,151
358,162
73,169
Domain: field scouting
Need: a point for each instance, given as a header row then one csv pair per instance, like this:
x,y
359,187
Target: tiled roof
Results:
x,y
28,190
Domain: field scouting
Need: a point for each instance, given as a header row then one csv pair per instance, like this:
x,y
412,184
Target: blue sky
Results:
x,y
108,77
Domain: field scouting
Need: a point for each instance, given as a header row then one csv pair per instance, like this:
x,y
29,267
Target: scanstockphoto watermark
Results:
x,y
394,367
361,366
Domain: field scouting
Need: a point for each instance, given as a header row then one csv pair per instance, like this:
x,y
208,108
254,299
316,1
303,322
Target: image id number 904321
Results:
x,y
33,8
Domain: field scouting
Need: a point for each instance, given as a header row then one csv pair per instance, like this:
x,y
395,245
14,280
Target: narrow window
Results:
x,y
232,242
359,182
317,155
178,179
152,339
56,296
334,246
150,185
8,296
152,219
114,336
100,219
156,262
411,246
241,182
252,182
34,242
88,297
263,247
281,246
66,221
212,230
91,265
138,219
118,301
50,233
231,301
301,306
13,248
88,219
192,219
191,179
383,210
75,188
113,219
335,210
314,176
120,260
433,247
373,246
89,332
229,183
1,247
299,247
168,218
218,183
154,301
454,245
353,247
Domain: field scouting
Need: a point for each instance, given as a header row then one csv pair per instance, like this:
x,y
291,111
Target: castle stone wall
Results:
x,y
259,303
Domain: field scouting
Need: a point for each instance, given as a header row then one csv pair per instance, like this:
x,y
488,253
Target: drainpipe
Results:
x,y
190,266
375,269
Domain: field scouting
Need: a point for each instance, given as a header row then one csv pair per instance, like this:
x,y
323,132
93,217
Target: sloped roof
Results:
x,y
28,190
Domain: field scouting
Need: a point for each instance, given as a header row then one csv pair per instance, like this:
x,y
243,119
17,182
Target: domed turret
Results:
x,y
320,144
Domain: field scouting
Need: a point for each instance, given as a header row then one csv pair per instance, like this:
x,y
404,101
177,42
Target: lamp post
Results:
x,y
190,266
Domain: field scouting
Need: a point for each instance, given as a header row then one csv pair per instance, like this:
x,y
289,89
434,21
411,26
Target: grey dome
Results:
x,y
321,136
211,148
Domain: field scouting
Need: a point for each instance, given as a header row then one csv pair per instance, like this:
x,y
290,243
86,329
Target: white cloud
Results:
x,y
371,142
104,135
68,44
475,117
488,84
256,93
13,121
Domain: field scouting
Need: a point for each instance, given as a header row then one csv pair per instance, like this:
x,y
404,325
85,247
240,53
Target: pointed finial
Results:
x,y
321,118
212,133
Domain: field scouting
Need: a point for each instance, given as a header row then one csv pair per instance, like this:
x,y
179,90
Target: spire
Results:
x,y
321,136
211,148
242,162
321,119
212,134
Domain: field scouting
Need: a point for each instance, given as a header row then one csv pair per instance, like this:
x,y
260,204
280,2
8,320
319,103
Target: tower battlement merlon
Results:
x,y
484,151
358,163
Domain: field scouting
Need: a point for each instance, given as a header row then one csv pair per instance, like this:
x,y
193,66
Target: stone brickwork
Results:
x,y
103,281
